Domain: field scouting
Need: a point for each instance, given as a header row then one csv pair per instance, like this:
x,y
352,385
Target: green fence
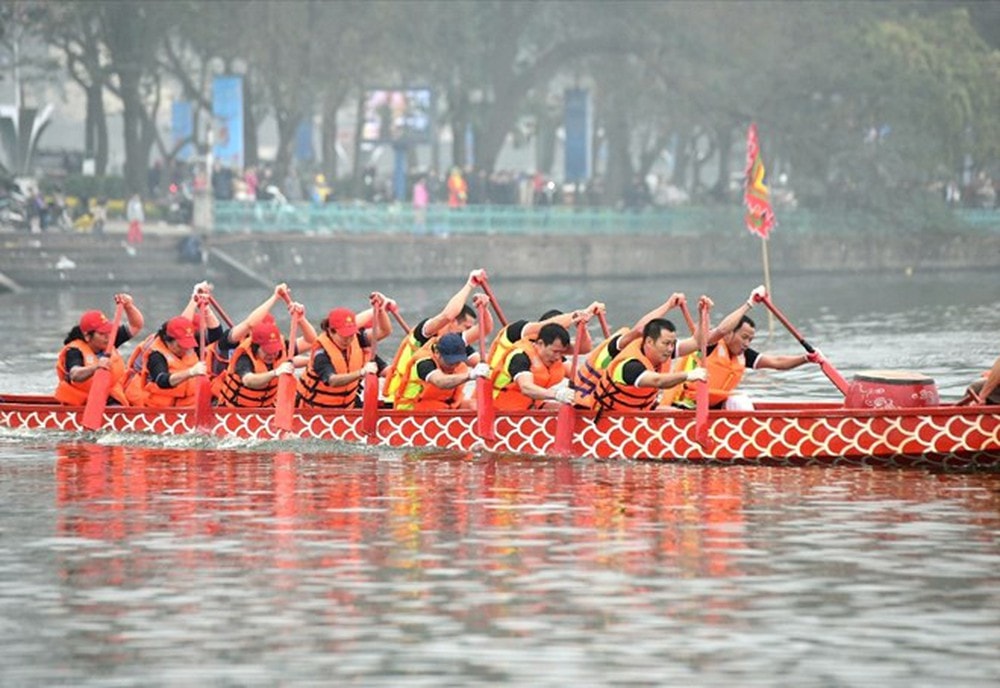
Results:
x,y
266,217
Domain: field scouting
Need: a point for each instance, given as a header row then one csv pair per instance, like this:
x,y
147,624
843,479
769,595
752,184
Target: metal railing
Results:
x,y
269,217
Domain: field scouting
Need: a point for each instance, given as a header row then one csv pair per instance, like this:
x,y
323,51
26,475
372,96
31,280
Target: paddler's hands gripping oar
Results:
x,y
813,355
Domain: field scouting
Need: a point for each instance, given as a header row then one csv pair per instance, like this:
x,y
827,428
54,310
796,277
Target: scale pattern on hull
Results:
x,y
943,436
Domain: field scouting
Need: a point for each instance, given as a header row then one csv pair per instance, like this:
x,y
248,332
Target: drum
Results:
x,y
886,389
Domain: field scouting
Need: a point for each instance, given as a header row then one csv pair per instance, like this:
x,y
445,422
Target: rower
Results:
x,y
528,329
728,359
82,354
456,317
529,376
170,367
436,375
633,379
338,360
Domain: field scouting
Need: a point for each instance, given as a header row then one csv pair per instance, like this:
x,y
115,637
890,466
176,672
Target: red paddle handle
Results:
x,y
493,300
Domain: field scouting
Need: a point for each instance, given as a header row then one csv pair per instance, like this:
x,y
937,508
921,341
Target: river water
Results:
x,y
180,561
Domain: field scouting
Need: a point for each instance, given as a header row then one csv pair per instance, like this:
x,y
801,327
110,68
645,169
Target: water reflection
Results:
x,y
494,514
174,557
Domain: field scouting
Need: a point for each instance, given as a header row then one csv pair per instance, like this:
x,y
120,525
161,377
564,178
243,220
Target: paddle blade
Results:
x,y
565,426
369,406
834,376
701,416
284,405
701,390
203,404
485,413
97,400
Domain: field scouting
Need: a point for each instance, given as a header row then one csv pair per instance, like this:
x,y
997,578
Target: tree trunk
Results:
x,y
288,127
329,133
251,155
135,166
459,102
96,130
619,162
724,144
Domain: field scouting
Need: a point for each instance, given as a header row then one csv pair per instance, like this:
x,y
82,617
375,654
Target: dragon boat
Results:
x,y
874,432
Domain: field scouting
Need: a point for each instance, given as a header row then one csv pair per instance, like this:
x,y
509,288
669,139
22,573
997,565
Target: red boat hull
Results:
x,y
784,433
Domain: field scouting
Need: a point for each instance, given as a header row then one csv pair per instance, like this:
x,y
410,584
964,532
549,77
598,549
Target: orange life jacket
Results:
x,y
229,389
420,395
315,392
394,373
672,395
588,372
500,347
75,393
724,373
137,359
613,394
145,392
507,393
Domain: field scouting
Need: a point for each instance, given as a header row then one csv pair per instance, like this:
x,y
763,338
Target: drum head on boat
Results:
x,y
885,389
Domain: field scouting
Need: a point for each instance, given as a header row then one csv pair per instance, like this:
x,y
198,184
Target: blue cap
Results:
x,y
451,348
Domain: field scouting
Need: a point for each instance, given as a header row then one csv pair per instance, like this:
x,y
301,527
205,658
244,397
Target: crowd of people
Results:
x,y
455,187
635,368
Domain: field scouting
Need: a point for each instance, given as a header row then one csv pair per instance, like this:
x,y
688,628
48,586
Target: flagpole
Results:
x,y
767,285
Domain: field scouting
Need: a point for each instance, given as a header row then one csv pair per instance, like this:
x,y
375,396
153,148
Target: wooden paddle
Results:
x,y
394,309
605,330
284,404
566,421
828,369
485,413
218,309
701,389
203,390
100,384
493,300
701,392
369,405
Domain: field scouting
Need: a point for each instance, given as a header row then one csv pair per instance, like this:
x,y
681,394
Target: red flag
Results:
x,y
757,197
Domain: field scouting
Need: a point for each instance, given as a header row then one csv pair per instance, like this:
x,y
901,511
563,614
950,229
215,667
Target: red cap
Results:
x,y
341,321
181,330
267,336
94,321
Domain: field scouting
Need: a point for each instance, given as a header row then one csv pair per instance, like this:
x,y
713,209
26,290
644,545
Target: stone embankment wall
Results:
x,y
64,260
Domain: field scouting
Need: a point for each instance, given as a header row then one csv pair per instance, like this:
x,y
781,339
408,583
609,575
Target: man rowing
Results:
x,y
633,379
589,372
436,375
456,317
515,331
728,359
529,376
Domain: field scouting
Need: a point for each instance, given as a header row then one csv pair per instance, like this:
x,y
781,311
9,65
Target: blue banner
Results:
x,y
227,116
304,151
577,124
182,129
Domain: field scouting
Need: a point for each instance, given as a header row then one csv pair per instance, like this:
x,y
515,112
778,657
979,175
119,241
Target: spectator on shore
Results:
x,y
421,199
458,189
135,215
